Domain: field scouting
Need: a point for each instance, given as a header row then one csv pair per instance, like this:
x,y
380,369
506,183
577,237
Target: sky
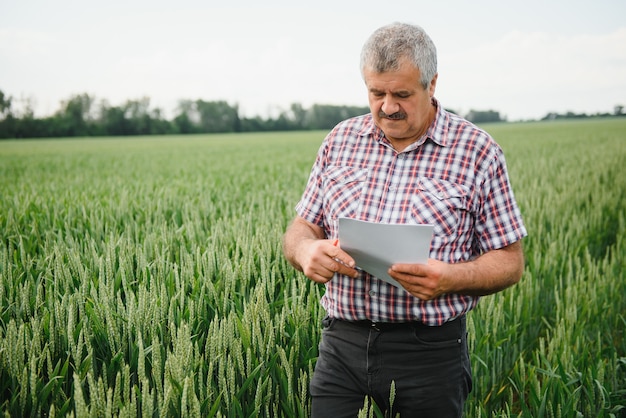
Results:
x,y
523,59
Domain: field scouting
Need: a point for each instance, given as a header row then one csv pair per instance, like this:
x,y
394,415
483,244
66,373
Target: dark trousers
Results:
x,y
429,367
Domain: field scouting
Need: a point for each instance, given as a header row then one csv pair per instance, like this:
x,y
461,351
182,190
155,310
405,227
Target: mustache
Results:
x,y
392,116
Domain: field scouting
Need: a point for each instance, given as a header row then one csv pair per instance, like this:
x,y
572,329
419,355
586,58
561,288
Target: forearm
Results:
x,y
492,272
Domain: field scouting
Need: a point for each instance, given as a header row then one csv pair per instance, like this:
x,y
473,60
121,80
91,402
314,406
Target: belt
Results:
x,y
383,326
391,326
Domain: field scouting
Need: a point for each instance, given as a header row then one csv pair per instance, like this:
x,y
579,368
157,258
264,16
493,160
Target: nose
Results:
x,y
389,105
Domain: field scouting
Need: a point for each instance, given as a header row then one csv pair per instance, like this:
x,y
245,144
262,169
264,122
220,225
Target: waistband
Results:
x,y
392,326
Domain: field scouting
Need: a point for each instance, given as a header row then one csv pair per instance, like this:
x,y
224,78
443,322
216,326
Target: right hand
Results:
x,y
320,260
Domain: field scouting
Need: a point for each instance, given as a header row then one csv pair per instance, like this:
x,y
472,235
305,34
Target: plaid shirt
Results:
x,y
454,177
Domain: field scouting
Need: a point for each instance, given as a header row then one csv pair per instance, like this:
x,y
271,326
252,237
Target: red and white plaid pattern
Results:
x,y
454,177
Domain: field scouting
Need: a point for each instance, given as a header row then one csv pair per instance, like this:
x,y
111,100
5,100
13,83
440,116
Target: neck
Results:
x,y
400,144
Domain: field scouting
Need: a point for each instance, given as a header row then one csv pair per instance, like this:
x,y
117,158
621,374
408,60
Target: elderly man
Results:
x,y
409,161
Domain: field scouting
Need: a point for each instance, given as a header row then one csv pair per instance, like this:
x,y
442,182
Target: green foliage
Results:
x,y
554,344
484,116
145,277
81,116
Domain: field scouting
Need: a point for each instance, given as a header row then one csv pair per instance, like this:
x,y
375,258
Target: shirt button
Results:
x,y
372,293
393,188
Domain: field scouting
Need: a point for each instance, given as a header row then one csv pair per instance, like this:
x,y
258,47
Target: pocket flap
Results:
x,y
344,175
441,189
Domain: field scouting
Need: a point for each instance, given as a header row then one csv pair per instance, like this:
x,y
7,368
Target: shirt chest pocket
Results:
x,y
343,187
442,204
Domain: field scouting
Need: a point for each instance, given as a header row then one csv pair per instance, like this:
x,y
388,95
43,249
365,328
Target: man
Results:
x,y
407,162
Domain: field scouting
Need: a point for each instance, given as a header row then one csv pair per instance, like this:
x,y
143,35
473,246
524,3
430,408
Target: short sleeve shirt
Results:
x,y
454,177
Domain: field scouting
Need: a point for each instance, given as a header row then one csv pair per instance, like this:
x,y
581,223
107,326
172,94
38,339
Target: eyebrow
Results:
x,y
397,92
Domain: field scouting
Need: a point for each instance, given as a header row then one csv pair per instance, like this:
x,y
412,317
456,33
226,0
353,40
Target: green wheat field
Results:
x,y
144,277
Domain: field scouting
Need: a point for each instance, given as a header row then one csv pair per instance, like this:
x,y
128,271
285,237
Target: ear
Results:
x,y
433,85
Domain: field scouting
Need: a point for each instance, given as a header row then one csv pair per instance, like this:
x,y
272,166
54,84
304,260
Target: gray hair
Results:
x,y
388,45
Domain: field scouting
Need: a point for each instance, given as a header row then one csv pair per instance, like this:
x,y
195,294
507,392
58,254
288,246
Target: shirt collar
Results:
x,y
438,130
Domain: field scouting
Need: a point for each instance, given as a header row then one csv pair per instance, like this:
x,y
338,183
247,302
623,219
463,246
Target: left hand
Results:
x,y
424,281
489,273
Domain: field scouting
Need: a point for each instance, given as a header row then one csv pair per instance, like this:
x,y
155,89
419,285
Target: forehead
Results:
x,y
407,77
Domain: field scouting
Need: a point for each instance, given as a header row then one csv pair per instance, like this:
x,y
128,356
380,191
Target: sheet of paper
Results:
x,y
375,247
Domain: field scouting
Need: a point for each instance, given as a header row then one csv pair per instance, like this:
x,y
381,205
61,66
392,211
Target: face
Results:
x,y
401,107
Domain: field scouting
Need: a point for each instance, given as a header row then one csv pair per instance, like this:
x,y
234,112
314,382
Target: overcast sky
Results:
x,y
523,59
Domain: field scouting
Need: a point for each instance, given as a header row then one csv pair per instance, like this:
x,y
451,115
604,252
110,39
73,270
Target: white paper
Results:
x,y
375,247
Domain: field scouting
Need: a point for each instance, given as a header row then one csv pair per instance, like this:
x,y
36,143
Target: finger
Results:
x,y
318,278
336,265
345,262
320,271
344,258
347,270
320,274
401,276
409,269
339,255
328,266
421,295
416,290
325,274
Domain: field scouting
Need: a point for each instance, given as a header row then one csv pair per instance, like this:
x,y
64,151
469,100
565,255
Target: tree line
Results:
x,y
84,115
618,110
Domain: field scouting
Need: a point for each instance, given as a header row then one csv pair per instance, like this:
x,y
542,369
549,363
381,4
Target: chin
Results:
x,y
395,128
393,124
